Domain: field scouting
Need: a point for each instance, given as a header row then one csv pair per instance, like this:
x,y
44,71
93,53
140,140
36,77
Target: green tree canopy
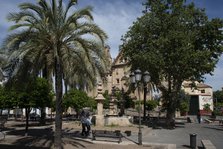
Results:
x,y
218,95
174,41
151,104
41,93
78,99
7,98
36,94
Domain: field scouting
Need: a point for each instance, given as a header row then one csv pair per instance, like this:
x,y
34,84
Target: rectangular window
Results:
x,y
117,81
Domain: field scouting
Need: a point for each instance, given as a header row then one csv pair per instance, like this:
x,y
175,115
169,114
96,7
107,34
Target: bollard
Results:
x,y
193,140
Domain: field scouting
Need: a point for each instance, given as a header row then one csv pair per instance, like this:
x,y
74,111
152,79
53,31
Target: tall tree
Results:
x,y
49,35
3,60
218,96
174,41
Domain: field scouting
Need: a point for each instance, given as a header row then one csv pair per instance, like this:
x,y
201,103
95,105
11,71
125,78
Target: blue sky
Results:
x,y
116,16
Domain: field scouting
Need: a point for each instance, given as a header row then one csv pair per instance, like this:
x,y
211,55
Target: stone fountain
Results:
x,y
112,117
99,117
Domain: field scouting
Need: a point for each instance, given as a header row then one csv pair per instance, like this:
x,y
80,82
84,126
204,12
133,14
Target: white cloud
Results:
x,y
114,17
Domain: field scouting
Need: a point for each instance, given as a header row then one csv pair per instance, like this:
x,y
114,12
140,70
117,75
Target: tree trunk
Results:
x,y
58,118
77,113
43,116
27,121
65,85
8,113
170,118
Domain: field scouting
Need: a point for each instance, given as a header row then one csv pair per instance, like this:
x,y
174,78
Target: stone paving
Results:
x,y
42,137
181,135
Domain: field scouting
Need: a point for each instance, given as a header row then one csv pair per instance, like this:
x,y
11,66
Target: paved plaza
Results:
x,y
42,137
181,135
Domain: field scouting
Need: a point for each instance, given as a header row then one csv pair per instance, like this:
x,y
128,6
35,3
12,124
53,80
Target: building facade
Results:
x,y
201,96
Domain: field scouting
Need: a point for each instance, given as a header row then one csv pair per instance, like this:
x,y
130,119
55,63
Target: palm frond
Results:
x,y
13,27
69,5
50,33
32,7
80,14
21,16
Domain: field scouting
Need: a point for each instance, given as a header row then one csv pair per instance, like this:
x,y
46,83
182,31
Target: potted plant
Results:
x,y
207,108
128,132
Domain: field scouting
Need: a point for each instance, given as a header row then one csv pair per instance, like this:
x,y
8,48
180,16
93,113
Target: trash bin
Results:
x,y
193,140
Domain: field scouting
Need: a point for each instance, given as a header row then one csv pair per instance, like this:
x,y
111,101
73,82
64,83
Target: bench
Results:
x,y
207,144
207,120
107,134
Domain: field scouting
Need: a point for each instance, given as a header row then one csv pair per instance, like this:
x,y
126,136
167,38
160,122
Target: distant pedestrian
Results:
x,y
83,122
88,123
199,116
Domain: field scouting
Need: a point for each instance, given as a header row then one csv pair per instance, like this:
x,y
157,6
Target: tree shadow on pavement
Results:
x,y
216,128
188,146
41,138
7,146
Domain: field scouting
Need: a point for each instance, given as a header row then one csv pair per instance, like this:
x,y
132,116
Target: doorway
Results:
x,y
194,105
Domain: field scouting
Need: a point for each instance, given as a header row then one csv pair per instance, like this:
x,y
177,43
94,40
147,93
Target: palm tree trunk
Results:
x,y
58,119
43,109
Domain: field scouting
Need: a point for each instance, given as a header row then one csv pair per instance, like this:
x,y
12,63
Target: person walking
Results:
x,y
83,122
88,123
198,116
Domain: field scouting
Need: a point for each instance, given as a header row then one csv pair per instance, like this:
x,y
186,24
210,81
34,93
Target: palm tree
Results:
x,y
3,63
3,60
65,44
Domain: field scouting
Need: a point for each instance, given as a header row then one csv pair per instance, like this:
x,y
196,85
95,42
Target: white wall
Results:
x,y
205,100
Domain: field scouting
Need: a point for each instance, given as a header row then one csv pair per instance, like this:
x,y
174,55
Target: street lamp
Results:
x,y
146,79
135,79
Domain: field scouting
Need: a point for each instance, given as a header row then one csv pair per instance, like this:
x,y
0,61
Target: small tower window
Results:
x,y
117,81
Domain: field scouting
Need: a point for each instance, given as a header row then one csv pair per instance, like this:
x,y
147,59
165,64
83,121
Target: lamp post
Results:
x,y
146,79
135,79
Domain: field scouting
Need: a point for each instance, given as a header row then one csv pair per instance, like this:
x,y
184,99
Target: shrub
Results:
x,y
151,104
